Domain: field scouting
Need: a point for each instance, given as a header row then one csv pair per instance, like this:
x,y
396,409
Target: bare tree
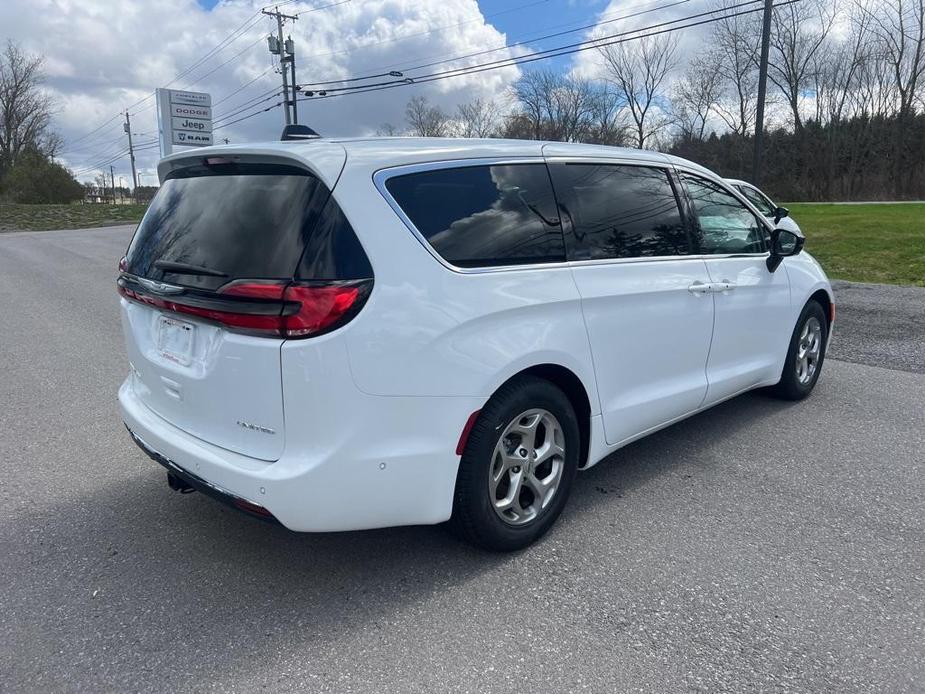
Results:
x,y
695,96
899,30
799,31
607,124
426,120
552,106
479,118
25,111
735,42
387,130
532,94
638,70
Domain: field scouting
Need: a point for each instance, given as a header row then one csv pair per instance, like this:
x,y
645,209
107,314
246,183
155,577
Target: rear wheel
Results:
x,y
805,355
516,472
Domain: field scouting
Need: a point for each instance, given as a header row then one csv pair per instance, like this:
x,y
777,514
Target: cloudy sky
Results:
x,y
103,56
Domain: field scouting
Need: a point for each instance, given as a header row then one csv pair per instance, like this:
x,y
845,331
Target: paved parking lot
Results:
x,y
762,546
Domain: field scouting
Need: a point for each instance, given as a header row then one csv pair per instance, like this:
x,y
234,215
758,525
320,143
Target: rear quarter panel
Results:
x,y
428,330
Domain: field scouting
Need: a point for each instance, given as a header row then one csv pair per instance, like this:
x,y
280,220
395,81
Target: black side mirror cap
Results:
x,y
784,243
780,213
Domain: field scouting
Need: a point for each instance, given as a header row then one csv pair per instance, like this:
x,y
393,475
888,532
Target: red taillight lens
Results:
x,y
320,307
123,264
275,309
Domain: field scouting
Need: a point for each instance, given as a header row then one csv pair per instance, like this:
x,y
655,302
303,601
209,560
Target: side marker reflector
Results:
x,y
467,429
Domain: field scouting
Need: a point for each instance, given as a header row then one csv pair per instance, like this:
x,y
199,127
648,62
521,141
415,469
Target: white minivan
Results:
x,y
346,334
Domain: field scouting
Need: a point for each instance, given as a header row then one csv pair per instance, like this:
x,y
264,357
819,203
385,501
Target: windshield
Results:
x,y
759,200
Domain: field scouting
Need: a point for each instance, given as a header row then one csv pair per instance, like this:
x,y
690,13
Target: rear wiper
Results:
x,y
186,269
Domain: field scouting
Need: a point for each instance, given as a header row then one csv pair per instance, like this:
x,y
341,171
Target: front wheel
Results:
x,y
516,472
805,355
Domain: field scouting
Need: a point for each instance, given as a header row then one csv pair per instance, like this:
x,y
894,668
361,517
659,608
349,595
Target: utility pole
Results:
x,y
112,179
284,49
131,153
762,90
290,50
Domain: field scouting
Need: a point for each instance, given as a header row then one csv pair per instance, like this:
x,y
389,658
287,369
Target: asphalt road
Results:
x,y
762,546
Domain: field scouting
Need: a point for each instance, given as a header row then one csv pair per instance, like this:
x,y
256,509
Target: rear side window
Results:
x,y
332,251
617,211
479,216
242,221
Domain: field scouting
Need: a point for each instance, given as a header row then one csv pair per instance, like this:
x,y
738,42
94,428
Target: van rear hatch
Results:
x,y
230,260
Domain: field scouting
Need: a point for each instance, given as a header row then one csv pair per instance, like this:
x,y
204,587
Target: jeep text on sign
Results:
x,y
204,126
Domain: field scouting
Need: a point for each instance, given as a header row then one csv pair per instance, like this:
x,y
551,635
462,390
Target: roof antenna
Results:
x,y
298,132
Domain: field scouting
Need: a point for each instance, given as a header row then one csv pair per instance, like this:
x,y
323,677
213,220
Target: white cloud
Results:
x,y
101,56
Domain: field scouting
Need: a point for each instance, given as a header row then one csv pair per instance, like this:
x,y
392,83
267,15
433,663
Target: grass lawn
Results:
x,y
866,243
15,217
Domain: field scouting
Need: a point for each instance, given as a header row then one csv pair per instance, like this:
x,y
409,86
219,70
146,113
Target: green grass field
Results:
x,y
14,217
866,243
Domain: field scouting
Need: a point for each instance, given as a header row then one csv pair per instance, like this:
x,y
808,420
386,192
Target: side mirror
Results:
x,y
784,243
780,213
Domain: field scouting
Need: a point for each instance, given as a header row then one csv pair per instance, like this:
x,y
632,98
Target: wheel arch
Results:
x,y
823,298
569,383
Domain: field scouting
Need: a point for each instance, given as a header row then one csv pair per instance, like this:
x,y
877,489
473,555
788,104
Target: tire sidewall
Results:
x,y
500,411
789,381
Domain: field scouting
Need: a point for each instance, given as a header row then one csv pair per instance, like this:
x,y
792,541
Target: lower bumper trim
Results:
x,y
200,485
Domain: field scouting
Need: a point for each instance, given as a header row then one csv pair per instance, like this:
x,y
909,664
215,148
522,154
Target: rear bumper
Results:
x,y
201,485
395,464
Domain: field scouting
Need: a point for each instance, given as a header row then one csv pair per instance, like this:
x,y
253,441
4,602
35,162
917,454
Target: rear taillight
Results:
x,y
273,309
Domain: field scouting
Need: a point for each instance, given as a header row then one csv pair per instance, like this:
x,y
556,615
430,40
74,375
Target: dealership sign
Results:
x,y
183,118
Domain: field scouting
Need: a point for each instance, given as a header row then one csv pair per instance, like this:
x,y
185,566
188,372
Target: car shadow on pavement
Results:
x,y
148,580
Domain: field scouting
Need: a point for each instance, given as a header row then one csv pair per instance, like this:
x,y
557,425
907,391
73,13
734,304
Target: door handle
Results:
x,y
699,287
724,286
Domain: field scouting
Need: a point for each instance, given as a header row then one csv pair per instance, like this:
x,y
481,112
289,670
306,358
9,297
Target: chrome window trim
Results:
x,y
381,176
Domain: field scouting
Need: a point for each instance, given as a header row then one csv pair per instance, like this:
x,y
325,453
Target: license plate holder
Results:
x,y
175,340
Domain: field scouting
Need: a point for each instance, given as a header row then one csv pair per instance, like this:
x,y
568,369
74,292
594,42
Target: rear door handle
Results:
x,y
699,287
724,286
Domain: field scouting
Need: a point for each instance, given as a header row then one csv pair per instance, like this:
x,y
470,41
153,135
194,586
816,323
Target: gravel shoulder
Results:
x,y
879,324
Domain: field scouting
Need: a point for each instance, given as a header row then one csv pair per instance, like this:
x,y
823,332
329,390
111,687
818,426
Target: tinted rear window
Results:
x,y
618,211
246,221
479,216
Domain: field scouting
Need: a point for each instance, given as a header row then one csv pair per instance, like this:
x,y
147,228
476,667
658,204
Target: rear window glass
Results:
x,y
241,221
478,216
619,211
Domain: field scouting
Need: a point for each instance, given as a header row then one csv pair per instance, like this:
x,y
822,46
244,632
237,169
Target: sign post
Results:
x,y
183,118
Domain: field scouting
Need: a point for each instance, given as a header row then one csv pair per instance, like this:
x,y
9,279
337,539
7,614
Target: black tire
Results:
x,y
474,518
790,387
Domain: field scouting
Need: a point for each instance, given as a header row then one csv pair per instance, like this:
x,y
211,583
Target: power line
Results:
x,y
395,39
553,52
276,92
255,113
509,45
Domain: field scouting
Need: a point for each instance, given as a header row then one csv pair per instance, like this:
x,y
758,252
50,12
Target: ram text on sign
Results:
x,y
191,139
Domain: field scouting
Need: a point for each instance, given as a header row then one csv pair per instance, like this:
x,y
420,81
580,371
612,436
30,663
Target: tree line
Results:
x,y
846,100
